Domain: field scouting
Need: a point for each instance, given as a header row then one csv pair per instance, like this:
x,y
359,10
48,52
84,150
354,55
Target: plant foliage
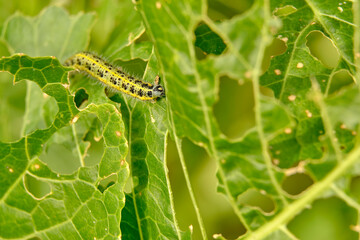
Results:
x,y
307,126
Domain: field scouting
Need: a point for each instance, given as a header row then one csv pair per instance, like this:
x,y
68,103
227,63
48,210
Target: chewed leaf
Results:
x,y
151,196
292,157
290,132
289,75
80,199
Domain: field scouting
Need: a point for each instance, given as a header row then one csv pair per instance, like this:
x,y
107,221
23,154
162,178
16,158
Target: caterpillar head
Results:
x,y
158,91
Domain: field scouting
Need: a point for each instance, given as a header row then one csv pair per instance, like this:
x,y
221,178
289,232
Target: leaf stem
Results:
x,y
78,150
257,100
298,205
27,108
318,98
190,190
131,175
287,232
169,186
356,9
318,188
351,202
177,140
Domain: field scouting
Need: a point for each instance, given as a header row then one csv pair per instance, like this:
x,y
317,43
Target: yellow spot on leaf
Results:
x,y
276,161
287,130
285,39
248,74
277,72
291,97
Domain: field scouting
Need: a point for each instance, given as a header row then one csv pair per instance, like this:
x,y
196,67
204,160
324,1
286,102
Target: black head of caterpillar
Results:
x,y
158,90
114,78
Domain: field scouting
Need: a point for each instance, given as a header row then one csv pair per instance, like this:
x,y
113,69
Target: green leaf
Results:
x,y
77,201
191,112
306,128
289,128
290,73
131,28
82,210
44,36
44,39
71,139
149,211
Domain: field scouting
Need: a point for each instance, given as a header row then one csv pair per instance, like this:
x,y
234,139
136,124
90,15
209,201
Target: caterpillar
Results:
x,y
114,78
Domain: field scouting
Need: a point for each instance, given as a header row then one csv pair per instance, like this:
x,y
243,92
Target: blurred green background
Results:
x,y
326,219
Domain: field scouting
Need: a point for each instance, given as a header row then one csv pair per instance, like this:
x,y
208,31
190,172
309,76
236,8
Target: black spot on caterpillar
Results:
x,y
114,77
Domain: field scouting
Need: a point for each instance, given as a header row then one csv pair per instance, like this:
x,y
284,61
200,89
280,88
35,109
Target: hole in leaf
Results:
x,y
201,172
284,11
234,111
81,98
64,153
322,48
297,183
96,149
223,9
41,111
12,108
277,47
185,214
332,215
255,199
60,153
39,189
107,182
340,80
227,224
135,67
195,153
355,187
200,55
208,41
267,91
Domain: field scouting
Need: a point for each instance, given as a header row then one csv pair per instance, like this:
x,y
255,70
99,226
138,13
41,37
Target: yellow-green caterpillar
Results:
x,y
114,77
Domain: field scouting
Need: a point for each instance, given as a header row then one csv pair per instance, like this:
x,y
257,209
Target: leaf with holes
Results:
x,y
293,131
72,204
64,125
74,199
300,150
